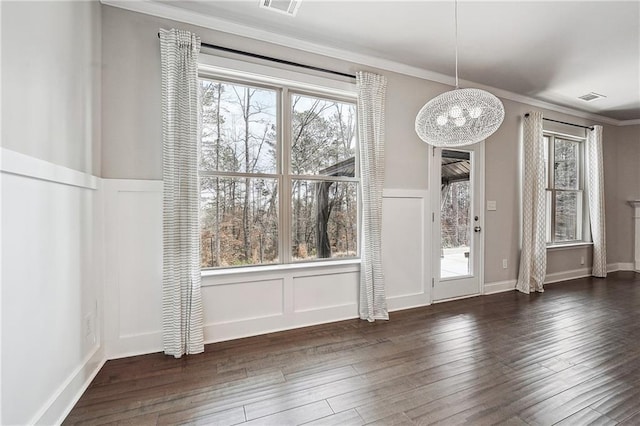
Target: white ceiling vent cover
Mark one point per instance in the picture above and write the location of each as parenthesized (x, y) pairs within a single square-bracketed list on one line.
[(590, 97), (288, 7)]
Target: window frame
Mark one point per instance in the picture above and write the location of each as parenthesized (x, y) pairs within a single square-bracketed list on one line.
[(582, 219), (285, 90)]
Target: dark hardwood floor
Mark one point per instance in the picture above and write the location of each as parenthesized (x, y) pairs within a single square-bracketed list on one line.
[(569, 356)]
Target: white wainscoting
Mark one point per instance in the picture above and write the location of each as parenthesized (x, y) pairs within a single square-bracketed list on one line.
[(278, 298), (133, 273), (406, 253), (51, 287), (252, 301)]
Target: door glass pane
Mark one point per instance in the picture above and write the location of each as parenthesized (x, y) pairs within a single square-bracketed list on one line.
[(455, 214), (566, 216)]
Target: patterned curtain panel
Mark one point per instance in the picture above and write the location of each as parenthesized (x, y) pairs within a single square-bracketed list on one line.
[(371, 103), (181, 299), (595, 196), (533, 257)]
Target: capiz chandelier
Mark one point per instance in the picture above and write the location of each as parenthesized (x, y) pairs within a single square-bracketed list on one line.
[(460, 116)]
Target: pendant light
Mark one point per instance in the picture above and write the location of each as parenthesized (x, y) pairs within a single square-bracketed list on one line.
[(460, 116)]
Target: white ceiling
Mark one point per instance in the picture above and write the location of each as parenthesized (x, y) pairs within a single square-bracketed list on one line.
[(552, 51)]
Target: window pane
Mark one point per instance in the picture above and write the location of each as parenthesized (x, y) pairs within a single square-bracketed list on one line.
[(239, 131), (566, 216), (323, 138), (238, 221), (324, 221), (566, 157)]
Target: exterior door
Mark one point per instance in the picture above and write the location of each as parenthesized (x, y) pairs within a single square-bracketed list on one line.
[(457, 187)]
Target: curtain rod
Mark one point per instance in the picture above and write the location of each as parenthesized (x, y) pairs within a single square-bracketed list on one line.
[(269, 58), (564, 122)]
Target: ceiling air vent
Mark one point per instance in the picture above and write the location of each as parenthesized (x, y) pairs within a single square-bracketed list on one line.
[(288, 7), (590, 97)]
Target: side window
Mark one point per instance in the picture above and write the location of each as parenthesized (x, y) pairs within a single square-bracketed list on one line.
[(565, 189)]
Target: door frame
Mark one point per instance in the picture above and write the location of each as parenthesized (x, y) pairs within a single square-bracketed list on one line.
[(434, 185)]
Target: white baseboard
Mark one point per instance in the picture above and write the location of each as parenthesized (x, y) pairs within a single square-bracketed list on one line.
[(134, 345), (567, 275), (65, 398), (622, 266), (626, 266), (499, 286), (408, 301)]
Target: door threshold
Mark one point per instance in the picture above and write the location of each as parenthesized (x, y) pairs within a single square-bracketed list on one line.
[(451, 299)]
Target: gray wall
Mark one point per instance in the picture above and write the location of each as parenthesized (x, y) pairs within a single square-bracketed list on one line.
[(132, 133), (622, 183), (51, 54), (131, 99)]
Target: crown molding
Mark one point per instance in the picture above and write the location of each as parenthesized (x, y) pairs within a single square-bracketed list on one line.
[(629, 122), (168, 11), (177, 14)]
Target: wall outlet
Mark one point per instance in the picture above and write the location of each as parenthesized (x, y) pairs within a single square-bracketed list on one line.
[(505, 264), (582, 260), (89, 328), (88, 325)]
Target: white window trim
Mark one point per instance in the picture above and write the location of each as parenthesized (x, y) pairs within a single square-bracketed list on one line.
[(569, 246), (584, 226), (227, 69), (224, 275), (221, 67)]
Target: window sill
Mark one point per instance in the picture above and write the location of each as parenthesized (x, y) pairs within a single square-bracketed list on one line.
[(217, 276), (569, 246)]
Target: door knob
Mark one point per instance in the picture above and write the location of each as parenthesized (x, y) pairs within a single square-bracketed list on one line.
[(477, 229)]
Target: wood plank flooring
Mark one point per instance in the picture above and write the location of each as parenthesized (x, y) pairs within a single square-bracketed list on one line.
[(569, 356)]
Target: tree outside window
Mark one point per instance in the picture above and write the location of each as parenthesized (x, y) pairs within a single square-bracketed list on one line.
[(270, 194)]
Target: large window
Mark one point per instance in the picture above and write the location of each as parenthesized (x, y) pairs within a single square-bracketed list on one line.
[(565, 189), (278, 175)]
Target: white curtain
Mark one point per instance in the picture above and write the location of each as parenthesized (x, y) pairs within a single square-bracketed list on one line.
[(371, 104), (533, 257), (595, 196), (181, 298)]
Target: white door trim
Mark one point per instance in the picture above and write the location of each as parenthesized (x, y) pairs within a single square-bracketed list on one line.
[(434, 185)]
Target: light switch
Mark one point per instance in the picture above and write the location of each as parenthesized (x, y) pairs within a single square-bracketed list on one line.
[(491, 205)]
